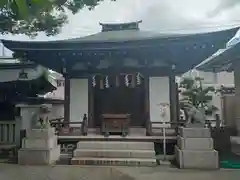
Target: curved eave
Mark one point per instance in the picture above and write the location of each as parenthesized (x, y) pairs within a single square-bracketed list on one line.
[(124, 44), (221, 62), (185, 51), (17, 66), (13, 63)]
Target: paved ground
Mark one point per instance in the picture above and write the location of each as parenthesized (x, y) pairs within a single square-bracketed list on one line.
[(16, 172)]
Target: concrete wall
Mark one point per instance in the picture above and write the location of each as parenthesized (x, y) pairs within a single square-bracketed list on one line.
[(237, 95), (78, 99), (158, 95)]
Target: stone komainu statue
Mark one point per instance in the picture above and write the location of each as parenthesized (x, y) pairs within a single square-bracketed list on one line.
[(194, 116)]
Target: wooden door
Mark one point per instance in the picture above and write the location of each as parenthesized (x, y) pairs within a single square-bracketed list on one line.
[(120, 100)]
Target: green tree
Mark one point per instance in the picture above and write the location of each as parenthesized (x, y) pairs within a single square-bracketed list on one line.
[(32, 16), (194, 93)]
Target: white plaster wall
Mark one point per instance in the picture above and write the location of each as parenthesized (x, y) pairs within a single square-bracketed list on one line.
[(78, 99), (221, 78), (225, 78), (159, 93)]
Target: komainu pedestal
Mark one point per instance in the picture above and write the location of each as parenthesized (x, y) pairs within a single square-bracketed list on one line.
[(194, 149), (39, 147)]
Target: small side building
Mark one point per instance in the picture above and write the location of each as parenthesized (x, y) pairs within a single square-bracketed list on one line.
[(23, 89)]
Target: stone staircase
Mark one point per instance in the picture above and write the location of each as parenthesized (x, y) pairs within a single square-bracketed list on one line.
[(114, 153)]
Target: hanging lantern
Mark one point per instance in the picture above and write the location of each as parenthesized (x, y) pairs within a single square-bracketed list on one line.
[(106, 82), (127, 80), (138, 79), (94, 81)]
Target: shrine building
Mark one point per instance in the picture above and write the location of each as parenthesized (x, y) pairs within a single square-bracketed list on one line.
[(122, 70)]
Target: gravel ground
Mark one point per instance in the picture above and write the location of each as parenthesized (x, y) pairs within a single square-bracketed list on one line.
[(16, 172)]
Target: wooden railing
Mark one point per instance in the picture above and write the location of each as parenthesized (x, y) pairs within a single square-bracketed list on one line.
[(64, 128), (8, 132)]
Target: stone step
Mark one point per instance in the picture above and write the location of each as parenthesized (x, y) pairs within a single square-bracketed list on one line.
[(114, 153), (113, 161), (115, 145)]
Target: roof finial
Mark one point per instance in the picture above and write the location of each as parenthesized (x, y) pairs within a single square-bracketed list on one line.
[(120, 26)]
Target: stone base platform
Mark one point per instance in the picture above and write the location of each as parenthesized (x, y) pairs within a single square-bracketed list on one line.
[(38, 156), (197, 159)]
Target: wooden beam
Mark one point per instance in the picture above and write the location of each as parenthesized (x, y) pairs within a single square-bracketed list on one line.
[(153, 71)]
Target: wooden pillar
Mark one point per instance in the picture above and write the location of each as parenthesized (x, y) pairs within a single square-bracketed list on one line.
[(147, 103), (173, 97), (67, 99), (90, 103)]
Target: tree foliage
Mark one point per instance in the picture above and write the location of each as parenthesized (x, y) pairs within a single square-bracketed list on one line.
[(32, 16), (194, 93)]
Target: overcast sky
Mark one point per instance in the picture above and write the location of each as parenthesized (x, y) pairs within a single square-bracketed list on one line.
[(157, 15)]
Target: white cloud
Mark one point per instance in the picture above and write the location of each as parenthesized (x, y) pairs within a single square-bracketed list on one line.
[(157, 15)]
